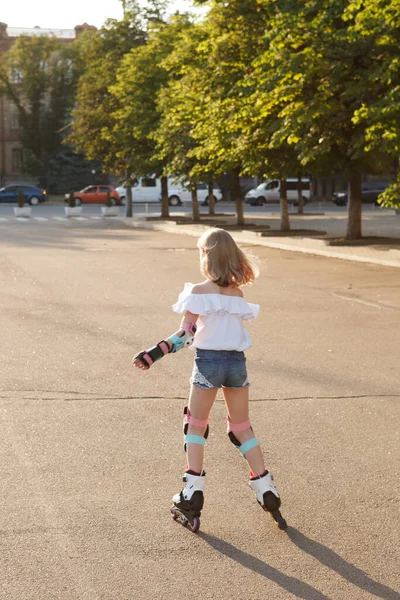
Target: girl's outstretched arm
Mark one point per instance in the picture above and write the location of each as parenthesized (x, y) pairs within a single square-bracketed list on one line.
[(183, 338)]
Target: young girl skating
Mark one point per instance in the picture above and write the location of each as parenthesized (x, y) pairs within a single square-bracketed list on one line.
[(213, 315)]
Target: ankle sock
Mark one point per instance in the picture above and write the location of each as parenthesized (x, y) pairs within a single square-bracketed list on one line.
[(255, 476), (191, 472)]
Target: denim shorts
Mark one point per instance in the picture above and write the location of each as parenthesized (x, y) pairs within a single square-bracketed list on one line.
[(219, 368)]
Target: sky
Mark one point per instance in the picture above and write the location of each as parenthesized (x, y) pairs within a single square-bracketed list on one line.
[(67, 14)]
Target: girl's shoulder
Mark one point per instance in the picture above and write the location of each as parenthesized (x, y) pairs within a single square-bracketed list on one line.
[(209, 287), (207, 297), (206, 287)]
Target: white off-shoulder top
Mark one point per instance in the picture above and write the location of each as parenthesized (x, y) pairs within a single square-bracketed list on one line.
[(220, 323)]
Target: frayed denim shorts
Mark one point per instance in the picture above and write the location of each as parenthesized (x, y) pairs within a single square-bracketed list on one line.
[(219, 368)]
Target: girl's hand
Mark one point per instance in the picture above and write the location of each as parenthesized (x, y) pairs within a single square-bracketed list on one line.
[(136, 362)]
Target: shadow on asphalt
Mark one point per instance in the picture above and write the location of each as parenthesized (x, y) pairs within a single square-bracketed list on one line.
[(295, 586), (333, 561)]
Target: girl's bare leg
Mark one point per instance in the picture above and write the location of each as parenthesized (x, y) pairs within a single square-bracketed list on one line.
[(200, 405), (237, 405)]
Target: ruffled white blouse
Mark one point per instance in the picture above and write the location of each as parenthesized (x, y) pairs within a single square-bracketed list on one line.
[(220, 323)]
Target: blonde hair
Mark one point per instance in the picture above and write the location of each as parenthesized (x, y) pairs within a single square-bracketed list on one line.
[(223, 262)]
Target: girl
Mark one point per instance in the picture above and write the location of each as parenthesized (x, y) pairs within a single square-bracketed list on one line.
[(214, 311)]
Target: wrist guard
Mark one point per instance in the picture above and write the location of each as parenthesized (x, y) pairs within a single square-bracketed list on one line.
[(180, 340)]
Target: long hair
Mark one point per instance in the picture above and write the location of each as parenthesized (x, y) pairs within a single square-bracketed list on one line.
[(223, 262)]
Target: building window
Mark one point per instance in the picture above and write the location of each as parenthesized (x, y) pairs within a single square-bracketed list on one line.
[(13, 118), (16, 159), (15, 75)]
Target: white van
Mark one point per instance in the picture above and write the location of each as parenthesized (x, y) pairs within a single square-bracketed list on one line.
[(270, 192), (148, 189)]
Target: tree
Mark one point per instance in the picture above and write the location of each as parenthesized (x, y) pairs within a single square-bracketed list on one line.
[(178, 105), (322, 68), (38, 76), (379, 114), (102, 52), (139, 78)]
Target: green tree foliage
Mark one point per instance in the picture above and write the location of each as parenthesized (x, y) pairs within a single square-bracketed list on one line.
[(38, 76), (264, 87), (102, 52), (234, 33), (379, 113), (139, 78), (321, 68), (179, 104)]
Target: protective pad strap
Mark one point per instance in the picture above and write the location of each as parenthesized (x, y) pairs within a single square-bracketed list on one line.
[(195, 439), (249, 445), (237, 426), (188, 438), (190, 328), (178, 341), (155, 353), (189, 419)]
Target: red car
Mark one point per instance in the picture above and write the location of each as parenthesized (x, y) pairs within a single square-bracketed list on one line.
[(95, 194)]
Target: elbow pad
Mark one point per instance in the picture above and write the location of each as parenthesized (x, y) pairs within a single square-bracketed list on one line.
[(185, 338)]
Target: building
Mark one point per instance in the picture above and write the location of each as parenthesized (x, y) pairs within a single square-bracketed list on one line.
[(10, 151)]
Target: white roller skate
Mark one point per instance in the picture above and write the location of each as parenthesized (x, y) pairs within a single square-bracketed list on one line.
[(189, 502), (268, 497)]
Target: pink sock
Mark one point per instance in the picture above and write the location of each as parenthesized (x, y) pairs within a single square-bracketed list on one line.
[(255, 476)]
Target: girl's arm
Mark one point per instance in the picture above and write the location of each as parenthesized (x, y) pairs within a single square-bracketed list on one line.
[(183, 338)]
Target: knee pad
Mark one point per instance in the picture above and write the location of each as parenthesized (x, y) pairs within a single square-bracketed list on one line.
[(246, 446), (190, 438)]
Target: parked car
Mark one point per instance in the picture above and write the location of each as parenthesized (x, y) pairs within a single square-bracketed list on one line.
[(370, 190), (95, 194), (32, 195), (148, 189), (269, 192), (217, 194)]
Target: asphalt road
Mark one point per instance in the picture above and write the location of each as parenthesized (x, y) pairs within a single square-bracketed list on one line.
[(91, 450)]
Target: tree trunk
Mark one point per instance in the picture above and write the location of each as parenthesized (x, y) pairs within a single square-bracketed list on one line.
[(285, 223), (211, 201), (128, 200), (355, 207), (164, 198), (238, 196), (300, 202), (195, 203)]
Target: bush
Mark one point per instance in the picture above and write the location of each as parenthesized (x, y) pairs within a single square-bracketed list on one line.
[(21, 199), (71, 200), (109, 202)]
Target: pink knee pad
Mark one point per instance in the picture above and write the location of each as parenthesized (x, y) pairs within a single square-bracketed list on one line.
[(246, 446), (237, 426), (189, 420)]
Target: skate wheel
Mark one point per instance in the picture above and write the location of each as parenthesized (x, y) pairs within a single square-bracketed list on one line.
[(174, 515), (282, 524), (276, 514), (194, 527)]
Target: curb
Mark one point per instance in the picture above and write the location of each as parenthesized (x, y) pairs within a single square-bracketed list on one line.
[(314, 246)]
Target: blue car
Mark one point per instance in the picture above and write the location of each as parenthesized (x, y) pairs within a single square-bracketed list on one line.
[(32, 195)]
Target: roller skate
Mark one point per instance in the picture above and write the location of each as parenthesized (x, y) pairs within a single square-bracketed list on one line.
[(189, 502), (268, 497)]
